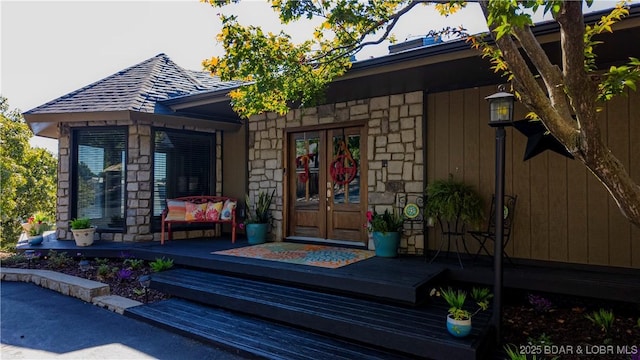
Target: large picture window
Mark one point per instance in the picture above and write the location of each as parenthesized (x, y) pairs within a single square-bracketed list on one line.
[(99, 176), (183, 165)]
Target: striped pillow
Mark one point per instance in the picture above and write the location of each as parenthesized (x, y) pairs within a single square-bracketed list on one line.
[(177, 210)]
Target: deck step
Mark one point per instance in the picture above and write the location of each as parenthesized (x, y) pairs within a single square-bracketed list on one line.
[(418, 331), (250, 336)]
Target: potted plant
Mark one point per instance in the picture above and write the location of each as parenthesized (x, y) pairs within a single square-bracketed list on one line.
[(257, 220), (452, 201), (459, 318), (386, 229), (82, 231), (35, 227)]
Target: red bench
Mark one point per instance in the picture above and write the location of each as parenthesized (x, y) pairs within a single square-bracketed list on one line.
[(172, 213)]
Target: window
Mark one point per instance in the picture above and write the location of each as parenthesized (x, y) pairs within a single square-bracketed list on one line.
[(183, 165), (99, 175)]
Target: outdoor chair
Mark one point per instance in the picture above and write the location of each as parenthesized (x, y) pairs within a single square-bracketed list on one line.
[(490, 233)]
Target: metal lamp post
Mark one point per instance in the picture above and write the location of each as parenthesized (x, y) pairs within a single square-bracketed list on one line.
[(501, 115), (145, 282)]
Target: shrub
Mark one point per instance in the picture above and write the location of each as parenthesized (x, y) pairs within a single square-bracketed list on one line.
[(124, 274), (58, 260), (133, 264), (539, 303), (514, 354), (456, 300), (602, 318), (103, 271), (161, 264), (14, 259), (80, 223)]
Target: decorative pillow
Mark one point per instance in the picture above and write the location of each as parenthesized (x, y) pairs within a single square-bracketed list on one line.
[(176, 210), (228, 207), (195, 211), (213, 211)]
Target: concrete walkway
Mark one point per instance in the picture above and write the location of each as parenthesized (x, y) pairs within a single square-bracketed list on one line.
[(39, 323)]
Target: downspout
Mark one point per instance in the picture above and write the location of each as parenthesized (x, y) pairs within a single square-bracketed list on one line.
[(425, 228), (246, 167)]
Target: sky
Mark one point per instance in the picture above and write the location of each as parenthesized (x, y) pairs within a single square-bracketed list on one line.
[(51, 48)]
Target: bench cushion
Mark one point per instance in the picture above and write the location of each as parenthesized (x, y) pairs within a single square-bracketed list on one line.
[(195, 212), (229, 205), (214, 210), (177, 210)]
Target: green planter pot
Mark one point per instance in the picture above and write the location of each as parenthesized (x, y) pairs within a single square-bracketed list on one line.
[(386, 243), (257, 233)]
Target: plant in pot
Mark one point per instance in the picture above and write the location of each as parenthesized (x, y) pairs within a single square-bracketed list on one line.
[(454, 202), (459, 318), (35, 227), (386, 229), (257, 220), (82, 231)]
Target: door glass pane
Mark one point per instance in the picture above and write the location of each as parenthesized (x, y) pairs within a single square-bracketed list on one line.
[(353, 189), (307, 167), (344, 168)]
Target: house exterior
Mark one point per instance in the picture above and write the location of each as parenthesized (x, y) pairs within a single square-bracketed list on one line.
[(389, 127), (122, 153)]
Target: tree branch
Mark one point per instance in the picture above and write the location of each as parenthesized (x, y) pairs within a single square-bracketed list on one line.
[(537, 99), (551, 74), (358, 43), (581, 90)]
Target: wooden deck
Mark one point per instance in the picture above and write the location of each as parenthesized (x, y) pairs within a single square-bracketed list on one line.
[(397, 276), (377, 308)]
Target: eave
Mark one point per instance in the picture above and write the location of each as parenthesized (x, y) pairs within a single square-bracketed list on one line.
[(47, 124)]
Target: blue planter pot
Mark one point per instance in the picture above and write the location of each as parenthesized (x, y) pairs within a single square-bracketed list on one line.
[(257, 233), (458, 328), (36, 240), (386, 243)]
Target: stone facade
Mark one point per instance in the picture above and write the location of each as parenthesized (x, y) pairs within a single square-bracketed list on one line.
[(394, 155), (139, 181)]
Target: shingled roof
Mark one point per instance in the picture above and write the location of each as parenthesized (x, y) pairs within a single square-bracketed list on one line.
[(137, 88)]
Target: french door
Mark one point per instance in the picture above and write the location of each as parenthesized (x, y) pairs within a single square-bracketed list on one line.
[(327, 190)]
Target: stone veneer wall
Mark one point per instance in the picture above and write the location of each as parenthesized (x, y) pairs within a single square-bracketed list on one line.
[(138, 182), (394, 138)]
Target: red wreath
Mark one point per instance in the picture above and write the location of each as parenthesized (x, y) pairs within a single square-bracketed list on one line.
[(343, 169)]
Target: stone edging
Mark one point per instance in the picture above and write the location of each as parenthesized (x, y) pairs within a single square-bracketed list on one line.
[(91, 291)]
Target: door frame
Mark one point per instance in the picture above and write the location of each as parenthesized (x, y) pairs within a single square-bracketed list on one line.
[(364, 143)]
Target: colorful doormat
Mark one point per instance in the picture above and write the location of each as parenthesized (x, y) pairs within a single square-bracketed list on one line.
[(303, 254)]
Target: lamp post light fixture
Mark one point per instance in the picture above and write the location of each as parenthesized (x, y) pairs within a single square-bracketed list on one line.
[(501, 108), (84, 265), (145, 282), (501, 115), (29, 254)]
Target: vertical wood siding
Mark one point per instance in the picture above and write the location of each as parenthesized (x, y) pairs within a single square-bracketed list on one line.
[(563, 213)]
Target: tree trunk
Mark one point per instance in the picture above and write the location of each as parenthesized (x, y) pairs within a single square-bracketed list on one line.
[(582, 136)]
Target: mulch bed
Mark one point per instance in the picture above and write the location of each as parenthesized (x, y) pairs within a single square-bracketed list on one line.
[(128, 287), (553, 325)]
